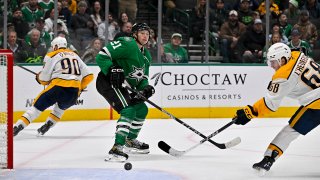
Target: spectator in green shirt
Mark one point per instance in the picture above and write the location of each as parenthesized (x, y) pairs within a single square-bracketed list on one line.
[(297, 44), (178, 53)]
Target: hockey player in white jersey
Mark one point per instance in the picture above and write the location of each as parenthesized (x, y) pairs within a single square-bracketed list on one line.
[(298, 77), (65, 76)]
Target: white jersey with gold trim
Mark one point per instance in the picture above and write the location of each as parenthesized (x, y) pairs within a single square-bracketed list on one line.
[(63, 67), (299, 79)]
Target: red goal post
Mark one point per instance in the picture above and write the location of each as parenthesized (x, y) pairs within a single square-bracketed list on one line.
[(6, 109)]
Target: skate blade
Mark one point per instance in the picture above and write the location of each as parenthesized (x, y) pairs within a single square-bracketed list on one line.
[(261, 172), (113, 158), (135, 151), (39, 134)]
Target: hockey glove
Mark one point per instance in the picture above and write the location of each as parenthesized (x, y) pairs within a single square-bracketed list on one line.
[(148, 91), (244, 115), (116, 76)]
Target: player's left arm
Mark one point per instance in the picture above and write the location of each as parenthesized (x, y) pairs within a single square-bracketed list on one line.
[(277, 90)]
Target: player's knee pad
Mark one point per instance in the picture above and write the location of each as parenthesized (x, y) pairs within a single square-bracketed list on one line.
[(31, 114), (128, 112), (141, 110)]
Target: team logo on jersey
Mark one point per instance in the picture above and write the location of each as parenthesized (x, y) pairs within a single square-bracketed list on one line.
[(138, 74)]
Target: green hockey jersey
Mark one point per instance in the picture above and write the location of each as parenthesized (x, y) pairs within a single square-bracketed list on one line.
[(126, 53)]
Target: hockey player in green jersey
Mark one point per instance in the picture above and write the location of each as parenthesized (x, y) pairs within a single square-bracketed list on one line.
[(126, 61)]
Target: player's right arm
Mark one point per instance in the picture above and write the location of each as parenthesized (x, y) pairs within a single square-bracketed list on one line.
[(109, 54), (44, 77)]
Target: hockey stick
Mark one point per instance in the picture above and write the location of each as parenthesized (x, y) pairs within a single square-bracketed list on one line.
[(219, 145), (26, 69), (173, 152)]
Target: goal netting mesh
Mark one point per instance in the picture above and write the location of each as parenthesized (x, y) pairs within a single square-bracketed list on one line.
[(5, 111)]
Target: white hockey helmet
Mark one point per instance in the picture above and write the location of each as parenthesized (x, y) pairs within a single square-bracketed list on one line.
[(60, 42), (277, 51)]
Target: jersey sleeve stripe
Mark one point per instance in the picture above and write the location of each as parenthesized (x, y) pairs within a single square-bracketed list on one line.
[(104, 51)]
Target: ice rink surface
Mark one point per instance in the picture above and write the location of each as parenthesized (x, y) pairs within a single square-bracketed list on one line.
[(76, 150)]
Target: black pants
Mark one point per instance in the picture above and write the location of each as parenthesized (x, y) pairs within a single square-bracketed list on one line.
[(118, 98)]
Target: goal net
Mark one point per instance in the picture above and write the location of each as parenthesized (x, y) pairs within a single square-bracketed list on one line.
[(6, 109)]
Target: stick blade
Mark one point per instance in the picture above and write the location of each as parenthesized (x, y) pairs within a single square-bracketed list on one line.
[(233, 142), (168, 149), (164, 146)]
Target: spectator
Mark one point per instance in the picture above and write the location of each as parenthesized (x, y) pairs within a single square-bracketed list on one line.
[(285, 27), (229, 34), (169, 7), (69, 45), (245, 13), (282, 4), (113, 29), (97, 15), (125, 30), (82, 26), (65, 12), (11, 6), (297, 44), (253, 4), (45, 37), (313, 6), (48, 27), (123, 18), (15, 46), (219, 16), (152, 45), (274, 9), (46, 5), (10, 27), (73, 6), (129, 7), (276, 28), (197, 23), (33, 51), (306, 28), (90, 54), (251, 43), (293, 11), (21, 27), (31, 12), (179, 54), (275, 38)]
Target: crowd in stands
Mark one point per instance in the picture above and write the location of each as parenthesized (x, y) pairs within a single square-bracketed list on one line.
[(238, 27)]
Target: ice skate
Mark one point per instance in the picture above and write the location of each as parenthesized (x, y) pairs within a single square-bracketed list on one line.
[(136, 147), (116, 154), (44, 128), (263, 166), (17, 129)]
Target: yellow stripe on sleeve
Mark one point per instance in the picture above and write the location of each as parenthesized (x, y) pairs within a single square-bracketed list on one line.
[(86, 80)]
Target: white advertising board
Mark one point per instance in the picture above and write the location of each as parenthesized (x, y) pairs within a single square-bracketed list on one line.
[(176, 86)]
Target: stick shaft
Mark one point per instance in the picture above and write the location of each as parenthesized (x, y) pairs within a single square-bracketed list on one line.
[(176, 119), (26, 69)]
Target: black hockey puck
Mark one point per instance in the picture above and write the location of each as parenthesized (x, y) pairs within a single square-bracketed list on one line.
[(127, 166)]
